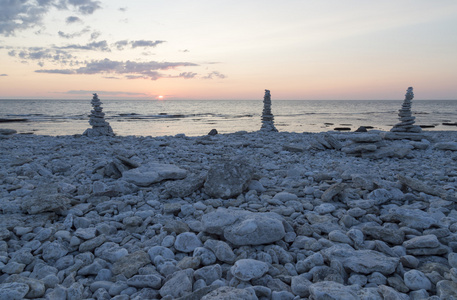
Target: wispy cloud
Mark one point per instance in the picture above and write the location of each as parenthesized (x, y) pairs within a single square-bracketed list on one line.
[(24, 14), (111, 93), (120, 45), (86, 7), (75, 34), (214, 74), (129, 69), (187, 75), (1, 75), (73, 19), (38, 53), (145, 43), (97, 46)]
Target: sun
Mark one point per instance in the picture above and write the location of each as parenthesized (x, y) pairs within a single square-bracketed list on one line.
[(160, 97)]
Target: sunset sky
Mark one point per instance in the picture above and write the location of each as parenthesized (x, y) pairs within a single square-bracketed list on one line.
[(220, 49)]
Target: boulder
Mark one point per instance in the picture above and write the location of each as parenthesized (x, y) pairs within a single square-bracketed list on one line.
[(452, 146), (245, 228), (148, 174), (230, 293), (361, 261), (248, 269), (332, 290), (229, 178)]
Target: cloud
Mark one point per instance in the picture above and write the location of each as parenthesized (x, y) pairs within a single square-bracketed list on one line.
[(86, 7), (1, 75), (73, 19), (123, 9), (187, 75), (120, 45), (39, 53), (101, 46), (95, 35), (75, 34), (144, 43), (57, 71), (130, 69), (214, 74), (111, 93), (18, 15)]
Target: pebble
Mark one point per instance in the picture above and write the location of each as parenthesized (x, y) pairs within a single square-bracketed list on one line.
[(309, 224)]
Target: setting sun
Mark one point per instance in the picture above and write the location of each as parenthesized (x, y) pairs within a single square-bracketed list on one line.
[(160, 97)]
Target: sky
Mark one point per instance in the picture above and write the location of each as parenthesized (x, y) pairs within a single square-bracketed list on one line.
[(223, 50)]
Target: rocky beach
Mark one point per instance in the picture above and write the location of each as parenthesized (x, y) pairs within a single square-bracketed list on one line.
[(259, 215)]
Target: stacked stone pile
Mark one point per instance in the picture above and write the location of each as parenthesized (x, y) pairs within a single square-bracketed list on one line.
[(100, 127), (185, 222), (406, 128), (362, 143), (267, 117)]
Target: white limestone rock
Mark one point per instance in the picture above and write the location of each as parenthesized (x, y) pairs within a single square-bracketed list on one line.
[(227, 179), (150, 173), (416, 280), (13, 290), (244, 228), (452, 146), (187, 242), (332, 290), (179, 285), (361, 261), (231, 293), (248, 269)]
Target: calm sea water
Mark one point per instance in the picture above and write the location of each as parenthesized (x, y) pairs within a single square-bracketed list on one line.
[(194, 118)]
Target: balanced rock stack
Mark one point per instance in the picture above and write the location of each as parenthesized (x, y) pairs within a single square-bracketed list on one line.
[(406, 128), (97, 119), (362, 144), (267, 116)]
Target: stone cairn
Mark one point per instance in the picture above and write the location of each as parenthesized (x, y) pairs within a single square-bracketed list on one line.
[(97, 119), (267, 116), (406, 128)]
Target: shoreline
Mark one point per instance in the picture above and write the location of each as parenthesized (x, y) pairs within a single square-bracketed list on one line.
[(145, 217)]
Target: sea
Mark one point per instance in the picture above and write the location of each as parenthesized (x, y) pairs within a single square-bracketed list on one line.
[(198, 117)]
